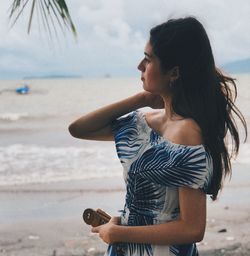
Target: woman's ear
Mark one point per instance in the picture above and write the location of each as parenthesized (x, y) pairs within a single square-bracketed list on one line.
[(175, 73)]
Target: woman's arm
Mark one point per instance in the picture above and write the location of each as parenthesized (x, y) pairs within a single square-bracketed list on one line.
[(96, 125), (189, 228)]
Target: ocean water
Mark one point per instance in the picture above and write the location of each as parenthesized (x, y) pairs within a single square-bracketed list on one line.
[(35, 146)]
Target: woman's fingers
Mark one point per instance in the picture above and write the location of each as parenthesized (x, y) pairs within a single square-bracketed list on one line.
[(95, 229), (116, 220)]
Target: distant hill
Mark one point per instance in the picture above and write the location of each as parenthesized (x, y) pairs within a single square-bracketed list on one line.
[(239, 66), (55, 76)]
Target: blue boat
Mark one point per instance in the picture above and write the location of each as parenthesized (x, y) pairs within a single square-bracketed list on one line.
[(23, 89)]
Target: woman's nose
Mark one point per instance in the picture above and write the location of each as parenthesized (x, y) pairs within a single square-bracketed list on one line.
[(140, 66)]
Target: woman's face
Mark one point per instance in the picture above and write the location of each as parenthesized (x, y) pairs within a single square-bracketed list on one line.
[(154, 80)]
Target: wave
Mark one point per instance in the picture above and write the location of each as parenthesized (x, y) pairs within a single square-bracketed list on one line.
[(25, 164), (15, 117)]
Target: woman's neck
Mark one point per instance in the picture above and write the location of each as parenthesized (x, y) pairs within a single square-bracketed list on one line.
[(169, 112)]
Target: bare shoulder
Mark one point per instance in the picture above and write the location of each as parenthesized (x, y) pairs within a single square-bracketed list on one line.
[(184, 131), (153, 116), (187, 132), (153, 119)]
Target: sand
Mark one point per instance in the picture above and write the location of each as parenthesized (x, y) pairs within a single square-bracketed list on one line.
[(46, 219)]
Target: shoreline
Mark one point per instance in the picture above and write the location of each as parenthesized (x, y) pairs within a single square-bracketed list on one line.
[(103, 184), (46, 219)]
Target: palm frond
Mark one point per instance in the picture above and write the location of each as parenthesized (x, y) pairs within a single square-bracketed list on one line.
[(31, 14), (53, 12)]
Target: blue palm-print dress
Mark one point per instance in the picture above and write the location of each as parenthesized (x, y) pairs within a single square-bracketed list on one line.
[(154, 168)]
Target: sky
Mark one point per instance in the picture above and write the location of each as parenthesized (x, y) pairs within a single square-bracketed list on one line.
[(112, 35)]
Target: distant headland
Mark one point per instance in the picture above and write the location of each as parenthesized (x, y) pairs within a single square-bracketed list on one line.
[(52, 76), (240, 66)]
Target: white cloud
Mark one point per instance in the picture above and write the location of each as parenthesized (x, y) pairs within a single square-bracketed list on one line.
[(112, 34)]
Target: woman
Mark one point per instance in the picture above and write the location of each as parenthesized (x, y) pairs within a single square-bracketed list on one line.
[(173, 156)]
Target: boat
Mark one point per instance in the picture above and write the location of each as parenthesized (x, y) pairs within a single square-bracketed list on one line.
[(23, 89)]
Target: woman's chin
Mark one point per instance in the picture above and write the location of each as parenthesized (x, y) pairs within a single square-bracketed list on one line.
[(145, 87), (149, 90)]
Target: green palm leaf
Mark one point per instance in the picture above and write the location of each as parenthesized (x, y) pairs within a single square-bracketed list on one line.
[(52, 12)]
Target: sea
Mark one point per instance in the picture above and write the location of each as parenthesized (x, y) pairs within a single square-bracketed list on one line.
[(35, 145)]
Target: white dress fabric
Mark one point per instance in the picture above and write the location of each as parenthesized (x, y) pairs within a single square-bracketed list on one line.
[(154, 169)]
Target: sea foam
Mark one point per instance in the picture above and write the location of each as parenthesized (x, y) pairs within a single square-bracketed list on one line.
[(22, 164)]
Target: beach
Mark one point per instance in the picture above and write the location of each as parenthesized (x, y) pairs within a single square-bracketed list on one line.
[(48, 178), (46, 219)]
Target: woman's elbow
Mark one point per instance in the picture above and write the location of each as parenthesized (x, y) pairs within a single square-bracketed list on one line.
[(198, 235), (73, 130)]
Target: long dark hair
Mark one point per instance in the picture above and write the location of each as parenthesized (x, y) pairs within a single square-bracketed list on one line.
[(201, 92)]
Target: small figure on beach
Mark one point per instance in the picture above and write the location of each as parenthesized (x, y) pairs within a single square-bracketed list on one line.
[(174, 155)]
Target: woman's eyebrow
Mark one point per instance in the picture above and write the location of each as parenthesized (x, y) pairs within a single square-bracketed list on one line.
[(147, 54)]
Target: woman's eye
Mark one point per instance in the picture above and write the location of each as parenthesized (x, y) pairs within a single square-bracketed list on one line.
[(146, 60)]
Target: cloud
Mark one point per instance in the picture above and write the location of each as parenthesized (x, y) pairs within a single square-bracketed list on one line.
[(112, 34)]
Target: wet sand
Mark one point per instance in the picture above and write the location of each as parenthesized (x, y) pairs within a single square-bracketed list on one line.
[(47, 219)]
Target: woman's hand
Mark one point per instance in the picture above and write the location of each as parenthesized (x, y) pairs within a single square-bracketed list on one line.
[(106, 231), (154, 101)]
